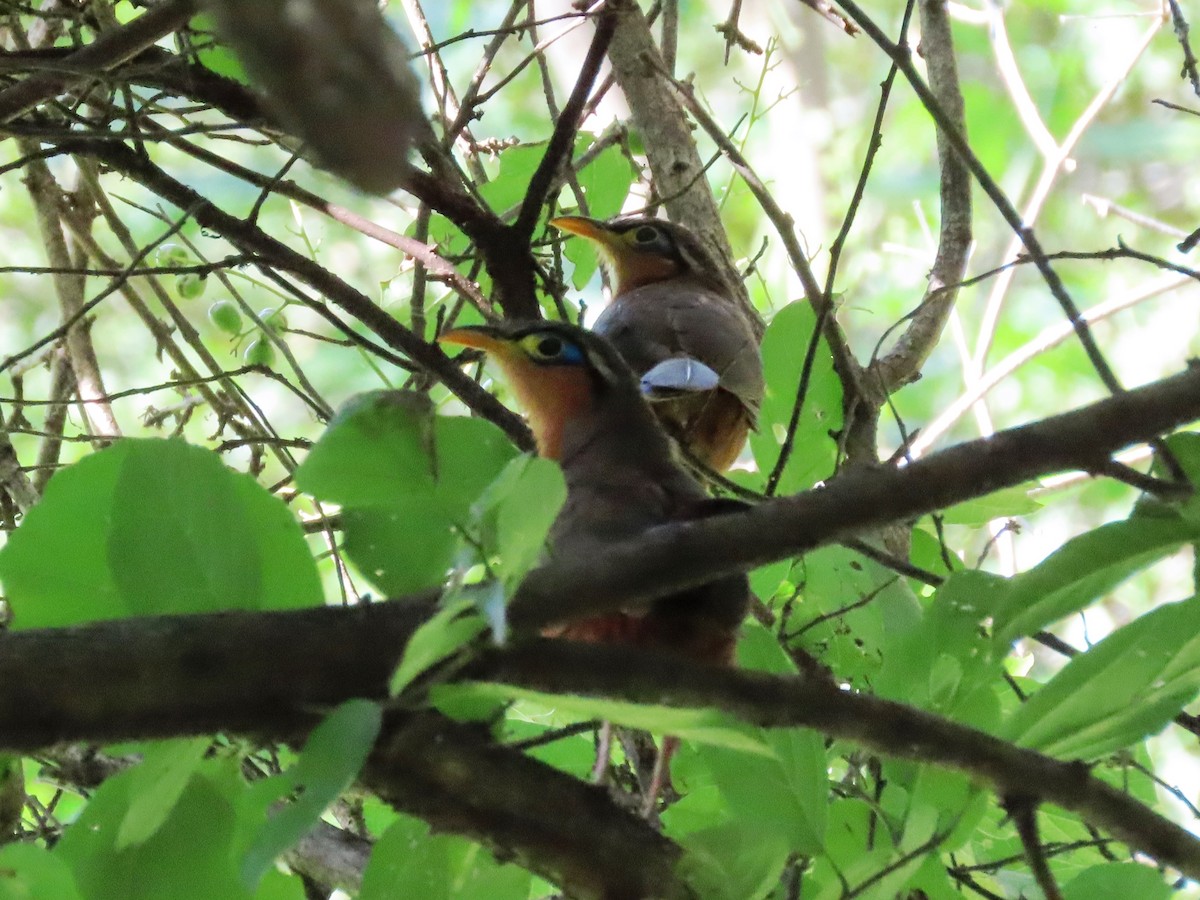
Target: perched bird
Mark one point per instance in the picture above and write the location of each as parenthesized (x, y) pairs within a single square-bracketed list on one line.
[(673, 321), (587, 411)]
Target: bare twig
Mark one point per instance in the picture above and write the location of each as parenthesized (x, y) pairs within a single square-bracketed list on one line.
[(1023, 810)]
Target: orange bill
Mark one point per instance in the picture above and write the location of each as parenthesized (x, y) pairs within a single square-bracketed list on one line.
[(480, 337), (583, 226)]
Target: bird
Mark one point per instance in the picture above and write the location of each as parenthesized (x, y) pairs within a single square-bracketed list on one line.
[(673, 320), (587, 412)]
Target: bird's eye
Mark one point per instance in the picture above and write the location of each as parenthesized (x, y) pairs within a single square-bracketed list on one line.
[(549, 347), (647, 234)]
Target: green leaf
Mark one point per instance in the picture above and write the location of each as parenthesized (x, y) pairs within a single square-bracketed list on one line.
[(330, 761), (190, 855), (401, 547), (31, 872), (605, 181), (55, 565), (517, 165), (852, 610), (434, 640), (813, 451), (406, 480), (516, 512), (149, 527), (727, 862), (1013, 501), (784, 794), (379, 447), (408, 861), (1186, 448), (214, 55), (1118, 881), (1084, 569), (705, 726), (1125, 687), (156, 786), (942, 659), (854, 848), (175, 502)]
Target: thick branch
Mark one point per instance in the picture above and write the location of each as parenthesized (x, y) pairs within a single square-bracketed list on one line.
[(674, 160), (471, 785), (564, 829), (693, 553), (889, 728), (207, 674)]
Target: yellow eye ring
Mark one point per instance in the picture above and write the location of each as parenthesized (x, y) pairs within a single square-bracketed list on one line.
[(547, 347), (646, 234), (544, 347)]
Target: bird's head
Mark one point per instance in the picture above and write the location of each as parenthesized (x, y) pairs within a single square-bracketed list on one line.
[(560, 373), (640, 250)]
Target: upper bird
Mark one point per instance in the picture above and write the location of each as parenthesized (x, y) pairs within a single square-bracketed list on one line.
[(587, 411), (673, 321)]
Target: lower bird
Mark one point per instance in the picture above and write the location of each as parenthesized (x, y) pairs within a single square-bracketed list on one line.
[(587, 412)]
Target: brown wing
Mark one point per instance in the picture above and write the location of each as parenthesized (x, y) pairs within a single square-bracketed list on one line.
[(682, 318)]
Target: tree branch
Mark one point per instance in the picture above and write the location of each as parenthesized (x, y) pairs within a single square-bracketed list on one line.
[(889, 728), (558, 150), (955, 139), (564, 829), (903, 363), (670, 149), (688, 554), (106, 52), (249, 237)]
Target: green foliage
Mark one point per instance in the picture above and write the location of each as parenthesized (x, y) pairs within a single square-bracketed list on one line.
[(217, 57), (745, 813), (1086, 568), (194, 850), (156, 786), (507, 188), (848, 611), (184, 822), (1116, 881), (942, 661), (784, 347), (999, 505), (1127, 686), (147, 527), (330, 761), (94, 548), (405, 480), (445, 632), (30, 872), (410, 862), (707, 726), (514, 513)]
